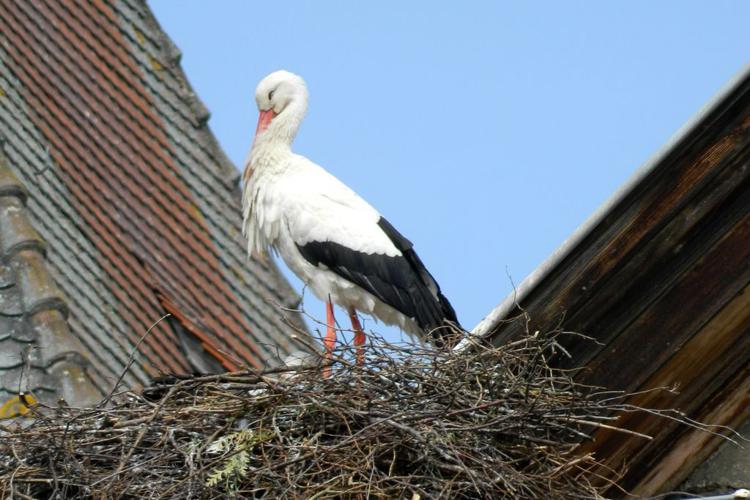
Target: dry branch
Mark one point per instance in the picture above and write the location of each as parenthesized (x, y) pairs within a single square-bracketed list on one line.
[(488, 422)]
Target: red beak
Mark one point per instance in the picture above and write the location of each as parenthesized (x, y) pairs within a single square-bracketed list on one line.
[(264, 120)]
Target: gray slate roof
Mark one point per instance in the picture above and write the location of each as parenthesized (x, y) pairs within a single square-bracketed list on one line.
[(129, 208), (38, 352)]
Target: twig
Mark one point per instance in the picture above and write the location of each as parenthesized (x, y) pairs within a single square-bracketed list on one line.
[(131, 359)]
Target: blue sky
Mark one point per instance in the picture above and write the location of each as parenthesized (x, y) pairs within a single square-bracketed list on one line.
[(484, 131)]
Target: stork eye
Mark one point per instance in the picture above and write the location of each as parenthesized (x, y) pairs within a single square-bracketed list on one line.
[(270, 94)]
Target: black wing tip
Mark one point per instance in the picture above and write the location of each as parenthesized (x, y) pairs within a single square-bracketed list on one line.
[(440, 325), (434, 313), (448, 311)]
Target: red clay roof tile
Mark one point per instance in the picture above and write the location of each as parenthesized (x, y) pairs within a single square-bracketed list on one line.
[(97, 109)]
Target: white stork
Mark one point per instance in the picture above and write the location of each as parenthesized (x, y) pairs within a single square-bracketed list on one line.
[(337, 244)]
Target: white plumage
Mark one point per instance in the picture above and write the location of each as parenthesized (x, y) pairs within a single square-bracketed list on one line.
[(336, 242)]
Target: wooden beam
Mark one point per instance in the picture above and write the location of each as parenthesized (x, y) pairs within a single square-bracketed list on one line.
[(695, 446), (710, 367), (584, 275)]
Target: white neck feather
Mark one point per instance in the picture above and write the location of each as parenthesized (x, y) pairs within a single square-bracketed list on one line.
[(269, 154), (276, 141)]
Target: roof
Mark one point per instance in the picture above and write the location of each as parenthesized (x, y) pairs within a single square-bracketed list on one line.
[(37, 349), (131, 208), (659, 276)]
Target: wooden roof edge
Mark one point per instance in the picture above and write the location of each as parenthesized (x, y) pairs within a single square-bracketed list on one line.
[(738, 86)]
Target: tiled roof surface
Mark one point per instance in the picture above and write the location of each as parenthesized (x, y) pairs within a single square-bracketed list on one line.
[(128, 189), (38, 353)]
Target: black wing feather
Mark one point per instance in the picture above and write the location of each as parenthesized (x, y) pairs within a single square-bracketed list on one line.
[(402, 282), (407, 249)]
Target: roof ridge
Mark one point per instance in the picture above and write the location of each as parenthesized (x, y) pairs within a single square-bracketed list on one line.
[(46, 356), (198, 113), (195, 103)]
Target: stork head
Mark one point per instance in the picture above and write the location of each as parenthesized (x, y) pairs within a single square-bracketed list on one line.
[(282, 102)]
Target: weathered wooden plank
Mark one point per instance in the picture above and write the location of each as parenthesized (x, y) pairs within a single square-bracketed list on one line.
[(675, 253), (661, 282), (659, 331), (582, 275), (695, 446), (659, 263), (707, 368)]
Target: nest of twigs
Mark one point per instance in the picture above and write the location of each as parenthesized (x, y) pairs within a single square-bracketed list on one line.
[(412, 422)]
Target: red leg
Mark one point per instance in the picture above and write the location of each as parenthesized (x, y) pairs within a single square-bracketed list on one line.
[(359, 336), (330, 341)]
